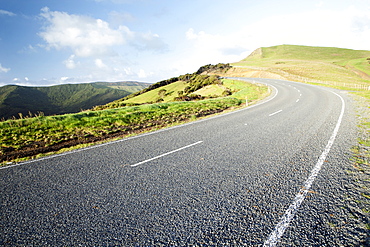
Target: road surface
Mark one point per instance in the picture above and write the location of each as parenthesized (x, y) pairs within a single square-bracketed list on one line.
[(270, 174)]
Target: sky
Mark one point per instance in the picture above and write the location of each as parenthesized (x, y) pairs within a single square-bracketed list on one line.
[(52, 42)]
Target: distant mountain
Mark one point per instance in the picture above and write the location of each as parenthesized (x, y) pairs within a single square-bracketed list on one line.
[(67, 98)]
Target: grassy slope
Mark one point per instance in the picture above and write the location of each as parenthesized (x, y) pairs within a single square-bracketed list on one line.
[(239, 90), (153, 95), (211, 90), (335, 67)]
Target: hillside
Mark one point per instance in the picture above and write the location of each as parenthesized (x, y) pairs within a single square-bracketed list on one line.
[(21, 101), (336, 67), (202, 84)]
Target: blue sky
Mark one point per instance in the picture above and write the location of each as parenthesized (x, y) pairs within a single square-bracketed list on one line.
[(50, 42)]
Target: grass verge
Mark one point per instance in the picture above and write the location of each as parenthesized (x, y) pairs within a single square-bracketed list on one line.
[(28, 138), (361, 165)]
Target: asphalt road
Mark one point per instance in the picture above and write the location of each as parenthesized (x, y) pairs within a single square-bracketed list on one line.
[(224, 181)]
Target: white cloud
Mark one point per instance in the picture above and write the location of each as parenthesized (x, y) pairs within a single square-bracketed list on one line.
[(214, 48), (360, 21), (89, 37), (3, 70), (121, 17), (127, 71), (319, 4), (84, 35), (148, 41), (28, 50), (143, 74), (99, 63), (5, 12), (70, 62), (190, 34)]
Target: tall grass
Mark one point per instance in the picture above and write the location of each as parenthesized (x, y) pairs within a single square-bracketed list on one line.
[(242, 90)]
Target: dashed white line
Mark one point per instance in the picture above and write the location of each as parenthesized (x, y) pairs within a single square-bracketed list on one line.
[(144, 134), (293, 208), (297, 100), (272, 114), (159, 156)]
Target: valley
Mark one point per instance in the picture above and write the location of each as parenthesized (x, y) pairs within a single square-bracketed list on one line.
[(20, 101)]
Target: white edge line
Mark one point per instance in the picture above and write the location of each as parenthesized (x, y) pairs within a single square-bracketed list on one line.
[(159, 156), (293, 208), (148, 133), (272, 114)]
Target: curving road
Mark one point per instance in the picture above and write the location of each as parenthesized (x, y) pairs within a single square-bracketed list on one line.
[(232, 180)]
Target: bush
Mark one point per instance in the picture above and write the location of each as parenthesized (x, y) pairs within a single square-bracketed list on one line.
[(209, 68), (227, 92)]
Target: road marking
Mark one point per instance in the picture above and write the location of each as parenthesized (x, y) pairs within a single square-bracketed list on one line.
[(272, 114), (297, 100), (293, 208), (148, 133), (159, 156)]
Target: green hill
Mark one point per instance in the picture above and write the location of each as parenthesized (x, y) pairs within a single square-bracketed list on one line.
[(202, 84), (21, 101), (337, 67)]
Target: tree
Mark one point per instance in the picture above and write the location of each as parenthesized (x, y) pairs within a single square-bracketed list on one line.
[(162, 92)]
